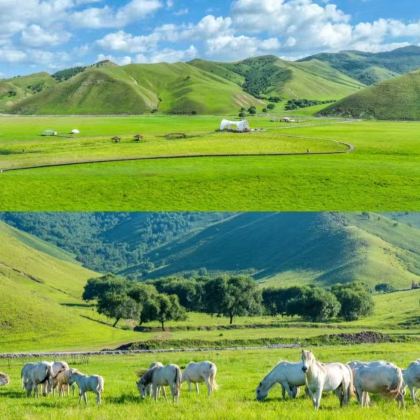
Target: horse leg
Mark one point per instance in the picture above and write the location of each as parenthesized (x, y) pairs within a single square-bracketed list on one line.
[(209, 388), (412, 393), (85, 397), (155, 392), (283, 391), (197, 390), (98, 398), (318, 396), (189, 386), (286, 387)]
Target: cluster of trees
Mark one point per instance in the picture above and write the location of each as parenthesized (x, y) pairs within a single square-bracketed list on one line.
[(269, 107), (231, 296), (66, 74), (252, 110), (119, 299), (304, 103), (348, 301)]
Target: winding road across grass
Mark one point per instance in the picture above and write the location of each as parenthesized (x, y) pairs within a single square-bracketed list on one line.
[(349, 148)]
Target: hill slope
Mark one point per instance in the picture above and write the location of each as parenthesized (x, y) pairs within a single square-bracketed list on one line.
[(139, 88), (371, 68), (269, 75), (396, 99), (18, 88), (279, 247), (40, 299)]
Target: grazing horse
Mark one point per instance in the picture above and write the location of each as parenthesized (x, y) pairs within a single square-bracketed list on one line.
[(201, 372), (378, 378), (34, 374), (321, 377), (160, 376), (149, 388), (412, 378), (85, 383), (289, 375)]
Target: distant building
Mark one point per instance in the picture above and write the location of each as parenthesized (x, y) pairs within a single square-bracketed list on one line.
[(239, 126)]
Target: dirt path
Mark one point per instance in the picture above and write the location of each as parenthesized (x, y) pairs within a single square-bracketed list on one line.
[(349, 149)]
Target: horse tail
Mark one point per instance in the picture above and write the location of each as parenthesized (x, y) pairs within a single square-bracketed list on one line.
[(178, 378), (397, 387), (351, 389), (212, 377)]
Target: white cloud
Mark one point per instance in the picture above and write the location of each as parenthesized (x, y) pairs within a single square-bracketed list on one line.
[(108, 17), (168, 55), (122, 61), (35, 36), (123, 42)]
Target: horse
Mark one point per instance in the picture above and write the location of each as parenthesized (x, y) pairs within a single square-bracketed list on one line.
[(412, 378), (201, 372), (34, 374), (149, 388), (85, 383), (321, 377), (289, 375), (378, 378), (160, 376)]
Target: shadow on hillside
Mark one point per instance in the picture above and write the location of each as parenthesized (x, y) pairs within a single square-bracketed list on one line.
[(77, 305), (96, 320), (13, 394)]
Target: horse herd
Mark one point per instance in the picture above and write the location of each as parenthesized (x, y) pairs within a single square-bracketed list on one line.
[(354, 378)]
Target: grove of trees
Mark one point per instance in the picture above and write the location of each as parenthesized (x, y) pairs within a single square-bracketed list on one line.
[(169, 299)]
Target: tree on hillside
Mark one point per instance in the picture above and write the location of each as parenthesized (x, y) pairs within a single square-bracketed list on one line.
[(252, 110), (233, 296), (275, 300), (118, 306), (145, 296), (168, 309), (384, 288), (271, 106), (97, 287), (355, 299), (315, 304), (188, 291)]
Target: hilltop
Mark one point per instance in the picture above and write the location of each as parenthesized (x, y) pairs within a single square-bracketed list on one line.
[(396, 99), (281, 248), (371, 68)]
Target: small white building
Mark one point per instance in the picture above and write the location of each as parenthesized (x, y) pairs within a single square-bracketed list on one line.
[(239, 126), (75, 131)]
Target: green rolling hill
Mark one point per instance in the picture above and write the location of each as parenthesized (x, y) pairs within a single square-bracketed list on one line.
[(278, 248), (14, 90), (40, 299), (197, 87), (296, 248), (139, 88), (395, 99), (372, 68), (271, 76)]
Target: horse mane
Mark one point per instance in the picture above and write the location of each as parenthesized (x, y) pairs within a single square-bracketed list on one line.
[(147, 378)]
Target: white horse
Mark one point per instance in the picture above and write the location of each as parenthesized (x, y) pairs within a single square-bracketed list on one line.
[(160, 376), (289, 375), (321, 377), (201, 372), (149, 388), (412, 378), (85, 383), (378, 378), (34, 374)]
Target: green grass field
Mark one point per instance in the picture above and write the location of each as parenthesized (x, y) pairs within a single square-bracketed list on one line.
[(385, 164), (238, 375)]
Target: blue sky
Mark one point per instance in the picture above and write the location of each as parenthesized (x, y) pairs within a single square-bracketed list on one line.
[(54, 34)]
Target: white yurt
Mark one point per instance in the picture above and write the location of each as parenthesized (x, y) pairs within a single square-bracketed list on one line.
[(240, 126), (75, 131)]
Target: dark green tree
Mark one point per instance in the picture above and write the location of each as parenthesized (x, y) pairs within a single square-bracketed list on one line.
[(168, 309), (97, 287), (355, 299), (118, 306), (315, 304)]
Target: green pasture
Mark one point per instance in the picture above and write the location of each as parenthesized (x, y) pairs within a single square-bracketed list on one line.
[(383, 173), (239, 373)]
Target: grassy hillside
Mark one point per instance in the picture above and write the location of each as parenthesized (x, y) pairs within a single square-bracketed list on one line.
[(372, 68), (270, 76), (296, 248), (18, 88), (396, 99), (40, 300), (136, 89)]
